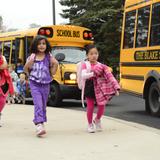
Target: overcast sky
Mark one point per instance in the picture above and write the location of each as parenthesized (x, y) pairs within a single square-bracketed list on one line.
[(20, 13)]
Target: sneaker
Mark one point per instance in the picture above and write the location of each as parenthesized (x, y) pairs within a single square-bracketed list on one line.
[(13, 101), (19, 101), (40, 130), (98, 125), (91, 128), (23, 101), (8, 102)]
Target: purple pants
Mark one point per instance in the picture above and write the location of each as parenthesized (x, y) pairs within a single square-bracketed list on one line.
[(40, 94)]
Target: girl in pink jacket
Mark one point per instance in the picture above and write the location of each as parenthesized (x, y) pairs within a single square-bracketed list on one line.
[(99, 87)]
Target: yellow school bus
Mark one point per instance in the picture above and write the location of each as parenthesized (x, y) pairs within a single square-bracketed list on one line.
[(67, 46), (140, 52)]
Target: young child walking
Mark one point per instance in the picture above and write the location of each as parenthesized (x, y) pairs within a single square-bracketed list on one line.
[(21, 88), (14, 76), (40, 67), (98, 86), (6, 85)]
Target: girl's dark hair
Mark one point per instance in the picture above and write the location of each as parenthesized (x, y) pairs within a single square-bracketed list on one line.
[(89, 47), (34, 45)]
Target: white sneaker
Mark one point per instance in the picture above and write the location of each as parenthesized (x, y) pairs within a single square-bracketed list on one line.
[(19, 101), (13, 101), (91, 128), (8, 102), (23, 101), (40, 130), (98, 125)]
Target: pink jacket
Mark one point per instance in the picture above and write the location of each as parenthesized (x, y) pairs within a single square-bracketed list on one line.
[(105, 85)]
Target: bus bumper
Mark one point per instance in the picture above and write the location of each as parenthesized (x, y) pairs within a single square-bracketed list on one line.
[(70, 92)]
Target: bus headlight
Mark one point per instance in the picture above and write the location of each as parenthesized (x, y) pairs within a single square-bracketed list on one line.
[(70, 76), (73, 76)]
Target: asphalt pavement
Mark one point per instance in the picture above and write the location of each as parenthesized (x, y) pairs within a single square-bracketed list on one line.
[(67, 139)]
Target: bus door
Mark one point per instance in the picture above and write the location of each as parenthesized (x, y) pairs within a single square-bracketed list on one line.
[(7, 50), (22, 45), (10, 51), (15, 50), (18, 50)]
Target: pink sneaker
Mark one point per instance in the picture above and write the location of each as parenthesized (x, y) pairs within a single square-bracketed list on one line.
[(40, 130)]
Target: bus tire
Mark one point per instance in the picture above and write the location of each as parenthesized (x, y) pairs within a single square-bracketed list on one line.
[(55, 98), (154, 99), (147, 107)]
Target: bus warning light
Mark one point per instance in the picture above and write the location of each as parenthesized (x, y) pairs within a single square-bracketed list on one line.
[(46, 31), (87, 35)]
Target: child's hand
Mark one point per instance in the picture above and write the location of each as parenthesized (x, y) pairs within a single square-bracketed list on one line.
[(98, 70), (117, 93)]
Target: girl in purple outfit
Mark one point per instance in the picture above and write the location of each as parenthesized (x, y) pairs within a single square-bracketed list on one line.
[(40, 66)]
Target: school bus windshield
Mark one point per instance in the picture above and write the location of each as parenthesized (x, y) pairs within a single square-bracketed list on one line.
[(72, 54)]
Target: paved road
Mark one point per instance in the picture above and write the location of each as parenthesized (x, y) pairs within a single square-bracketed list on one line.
[(125, 107), (67, 139)]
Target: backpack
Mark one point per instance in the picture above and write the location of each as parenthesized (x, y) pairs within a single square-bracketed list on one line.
[(79, 72)]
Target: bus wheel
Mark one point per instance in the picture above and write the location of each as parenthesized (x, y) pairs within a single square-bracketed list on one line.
[(154, 99), (147, 106), (54, 95)]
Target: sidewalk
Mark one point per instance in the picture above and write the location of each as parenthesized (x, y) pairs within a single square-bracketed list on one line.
[(67, 138)]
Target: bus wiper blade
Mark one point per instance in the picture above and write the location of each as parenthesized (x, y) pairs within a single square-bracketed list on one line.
[(69, 62)]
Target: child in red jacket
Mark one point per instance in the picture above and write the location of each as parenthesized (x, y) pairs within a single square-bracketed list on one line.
[(5, 82)]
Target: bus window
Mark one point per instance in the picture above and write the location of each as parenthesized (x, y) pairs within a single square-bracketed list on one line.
[(129, 29), (6, 53), (155, 25), (13, 56), (28, 41), (0, 47), (17, 46), (142, 27)]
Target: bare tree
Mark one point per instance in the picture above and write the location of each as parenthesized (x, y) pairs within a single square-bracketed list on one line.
[(2, 27), (12, 29), (34, 25)]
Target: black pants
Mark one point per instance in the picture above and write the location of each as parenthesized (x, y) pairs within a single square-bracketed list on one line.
[(89, 89), (5, 88)]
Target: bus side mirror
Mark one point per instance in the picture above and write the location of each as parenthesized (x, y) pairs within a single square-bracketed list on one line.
[(59, 57)]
